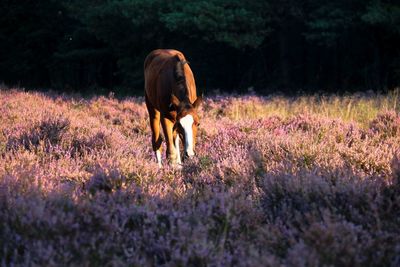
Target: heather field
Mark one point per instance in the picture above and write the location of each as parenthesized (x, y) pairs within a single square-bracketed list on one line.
[(302, 181)]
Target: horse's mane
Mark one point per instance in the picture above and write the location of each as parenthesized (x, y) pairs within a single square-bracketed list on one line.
[(180, 78)]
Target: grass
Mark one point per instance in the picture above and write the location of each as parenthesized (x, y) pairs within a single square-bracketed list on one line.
[(305, 181), (359, 108)]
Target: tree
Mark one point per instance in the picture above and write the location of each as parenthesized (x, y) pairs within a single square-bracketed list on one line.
[(29, 34), (132, 28), (232, 44), (236, 23)]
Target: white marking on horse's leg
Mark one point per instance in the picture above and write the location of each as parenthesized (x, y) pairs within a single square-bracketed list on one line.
[(178, 152), (187, 123), (158, 158)]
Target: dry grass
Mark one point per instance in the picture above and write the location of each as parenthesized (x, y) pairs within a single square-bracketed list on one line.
[(359, 108)]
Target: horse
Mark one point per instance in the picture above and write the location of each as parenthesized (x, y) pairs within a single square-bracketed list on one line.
[(171, 98)]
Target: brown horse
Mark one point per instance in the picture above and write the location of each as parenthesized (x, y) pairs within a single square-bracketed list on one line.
[(170, 93)]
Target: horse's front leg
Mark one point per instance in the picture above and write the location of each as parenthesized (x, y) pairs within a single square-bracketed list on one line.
[(177, 147), (168, 134), (156, 140)]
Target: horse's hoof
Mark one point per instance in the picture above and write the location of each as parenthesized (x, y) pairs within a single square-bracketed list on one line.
[(177, 166), (174, 164)]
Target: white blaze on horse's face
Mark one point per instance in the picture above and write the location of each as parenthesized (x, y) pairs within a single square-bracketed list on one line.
[(187, 125)]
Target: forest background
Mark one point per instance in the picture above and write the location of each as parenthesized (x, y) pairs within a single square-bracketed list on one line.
[(268, 46)]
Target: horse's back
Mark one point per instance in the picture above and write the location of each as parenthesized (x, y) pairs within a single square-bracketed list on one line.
[(159, 68), (162, 55)]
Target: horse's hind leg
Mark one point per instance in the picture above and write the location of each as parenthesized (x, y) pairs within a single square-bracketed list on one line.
[(156, 139)]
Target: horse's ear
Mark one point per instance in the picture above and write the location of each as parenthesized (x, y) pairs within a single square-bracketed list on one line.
[(198, 101), (174, 101)]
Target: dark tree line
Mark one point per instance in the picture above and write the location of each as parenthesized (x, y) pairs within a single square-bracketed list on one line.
[(337, 45)]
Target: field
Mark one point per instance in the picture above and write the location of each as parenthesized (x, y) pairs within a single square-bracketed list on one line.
[(302, 181)]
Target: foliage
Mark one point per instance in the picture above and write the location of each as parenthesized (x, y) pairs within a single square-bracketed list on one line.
[(236, 23), (231, 44), (385, 14)]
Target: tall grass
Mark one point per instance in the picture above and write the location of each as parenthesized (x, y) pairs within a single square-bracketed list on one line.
[(359, 108), (306, 181)]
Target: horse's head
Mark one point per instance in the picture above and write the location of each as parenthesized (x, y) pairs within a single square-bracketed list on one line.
[(187, 122)]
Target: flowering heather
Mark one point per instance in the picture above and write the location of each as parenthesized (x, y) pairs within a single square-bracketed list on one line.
[(309, 181)]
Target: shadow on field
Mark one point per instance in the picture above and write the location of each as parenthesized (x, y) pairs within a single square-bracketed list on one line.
[(331, 218)]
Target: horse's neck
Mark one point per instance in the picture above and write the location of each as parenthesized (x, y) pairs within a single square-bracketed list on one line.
[(181, 92)]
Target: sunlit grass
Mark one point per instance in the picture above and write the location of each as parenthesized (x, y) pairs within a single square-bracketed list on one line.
[(359, 108)]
